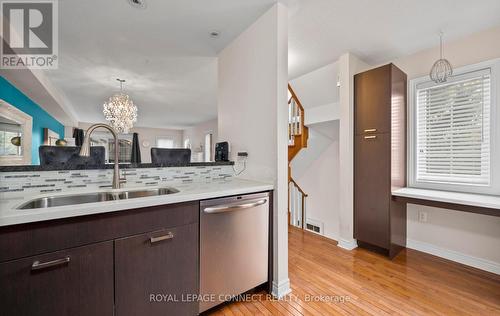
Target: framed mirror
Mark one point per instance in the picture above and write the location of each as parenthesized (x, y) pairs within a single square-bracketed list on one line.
[(15, 135), (50, 137)]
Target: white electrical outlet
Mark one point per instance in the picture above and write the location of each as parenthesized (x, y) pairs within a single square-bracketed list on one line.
[(422, 216)]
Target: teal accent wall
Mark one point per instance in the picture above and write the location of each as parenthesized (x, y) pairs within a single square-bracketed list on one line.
[(41, 118)]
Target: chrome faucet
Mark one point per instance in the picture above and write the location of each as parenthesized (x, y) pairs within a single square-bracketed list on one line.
[(85, 150)]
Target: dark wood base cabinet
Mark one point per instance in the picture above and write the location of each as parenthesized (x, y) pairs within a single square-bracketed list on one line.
[(154, 275), (136, 262), (379, 158), (49, 284)]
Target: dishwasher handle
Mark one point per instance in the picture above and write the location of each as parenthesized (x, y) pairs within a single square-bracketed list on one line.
[(232, 207)]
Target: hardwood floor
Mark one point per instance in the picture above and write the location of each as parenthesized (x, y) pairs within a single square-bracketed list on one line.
[(359, 282)]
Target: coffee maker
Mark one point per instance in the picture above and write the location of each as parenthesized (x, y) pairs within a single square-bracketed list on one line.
[(222, 151)]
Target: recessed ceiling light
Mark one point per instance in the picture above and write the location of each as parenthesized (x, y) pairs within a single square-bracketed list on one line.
[(139, 4), (214, 34)]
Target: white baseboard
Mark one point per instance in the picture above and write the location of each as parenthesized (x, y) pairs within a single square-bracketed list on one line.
[(281, 289), (347, 244), (456, 256)]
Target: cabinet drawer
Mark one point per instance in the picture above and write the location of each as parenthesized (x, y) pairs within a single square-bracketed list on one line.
[(72, 282), (372, 194), (372, 101), (154, 272), (26, 240)]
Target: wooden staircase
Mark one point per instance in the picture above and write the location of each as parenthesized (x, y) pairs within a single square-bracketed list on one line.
[(297, 132), (298, 135)]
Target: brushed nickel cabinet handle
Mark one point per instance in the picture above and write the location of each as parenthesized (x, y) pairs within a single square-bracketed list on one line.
[(153, 240), (370, 137), (37, 265), (370, 130)]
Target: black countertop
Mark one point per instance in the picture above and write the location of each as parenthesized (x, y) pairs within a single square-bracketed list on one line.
[(110, 166)]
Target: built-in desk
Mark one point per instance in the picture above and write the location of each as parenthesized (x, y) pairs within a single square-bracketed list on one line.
[(466, 202)]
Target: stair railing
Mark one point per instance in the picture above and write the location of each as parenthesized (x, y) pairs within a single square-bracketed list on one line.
[(296, 196), (297, 204), (295, 117)]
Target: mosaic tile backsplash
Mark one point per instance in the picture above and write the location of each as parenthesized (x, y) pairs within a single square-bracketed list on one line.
[(25, 183)]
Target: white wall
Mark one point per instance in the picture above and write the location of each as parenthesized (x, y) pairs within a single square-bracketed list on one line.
[(196, 136), (323, 113), (247, 97), (316, 170), (318, 141), (318, 87), (149, 135), (349, 65), (319, 94), (253, 113), (324, 101), (321, 182), (468, 50), (470, 238)]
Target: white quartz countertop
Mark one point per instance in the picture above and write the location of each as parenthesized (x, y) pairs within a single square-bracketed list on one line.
[(9, 215), (479, 200)]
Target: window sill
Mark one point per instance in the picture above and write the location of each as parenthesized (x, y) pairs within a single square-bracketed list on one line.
[(466, 202)]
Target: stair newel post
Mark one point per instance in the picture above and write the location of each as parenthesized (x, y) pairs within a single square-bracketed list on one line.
[(303, 208)]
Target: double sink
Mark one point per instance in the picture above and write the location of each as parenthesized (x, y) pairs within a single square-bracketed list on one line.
[(62, 200)]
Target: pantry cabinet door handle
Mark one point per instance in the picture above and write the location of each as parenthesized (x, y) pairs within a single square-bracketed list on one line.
[(37, 265), (153, 240), (370, 130), (370, 137)]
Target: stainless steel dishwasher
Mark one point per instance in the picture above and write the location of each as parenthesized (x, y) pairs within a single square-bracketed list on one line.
[(234, 243)]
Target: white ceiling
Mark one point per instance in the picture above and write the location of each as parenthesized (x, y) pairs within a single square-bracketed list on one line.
[(164, 52), (169, 60), (320, 31)]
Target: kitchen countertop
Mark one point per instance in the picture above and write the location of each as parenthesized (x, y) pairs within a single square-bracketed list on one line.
[(9, 215), (477, 200)]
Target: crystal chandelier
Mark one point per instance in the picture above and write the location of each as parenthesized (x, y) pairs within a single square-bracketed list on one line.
[(120, 111), (441, 69)]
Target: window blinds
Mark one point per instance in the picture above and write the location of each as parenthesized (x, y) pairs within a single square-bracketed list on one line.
[(453, 130)]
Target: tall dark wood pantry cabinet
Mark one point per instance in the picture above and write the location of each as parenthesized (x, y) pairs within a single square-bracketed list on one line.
[(380, 158)]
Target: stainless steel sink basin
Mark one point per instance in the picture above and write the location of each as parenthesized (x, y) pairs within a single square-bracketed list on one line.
[(52, 201)]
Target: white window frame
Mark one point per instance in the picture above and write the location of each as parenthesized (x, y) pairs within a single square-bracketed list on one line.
[(26, 121), (172, 138), (494, 187)]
